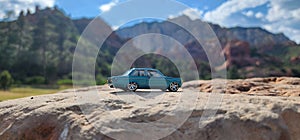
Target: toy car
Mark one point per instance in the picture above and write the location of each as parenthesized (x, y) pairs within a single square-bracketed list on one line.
[(144, 78)]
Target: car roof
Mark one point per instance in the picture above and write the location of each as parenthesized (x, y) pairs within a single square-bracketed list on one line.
[(143, 69)]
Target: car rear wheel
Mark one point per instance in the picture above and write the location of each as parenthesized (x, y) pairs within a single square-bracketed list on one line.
[(173, 87), (132, 86)]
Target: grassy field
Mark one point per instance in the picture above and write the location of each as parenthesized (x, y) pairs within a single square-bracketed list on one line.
[(20, 92)]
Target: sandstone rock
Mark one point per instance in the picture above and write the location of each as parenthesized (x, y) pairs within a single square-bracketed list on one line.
[(103, 113), (295, 59), (272, 86), (238, 54)]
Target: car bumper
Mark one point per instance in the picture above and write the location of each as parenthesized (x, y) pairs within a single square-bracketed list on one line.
[(109, 83)]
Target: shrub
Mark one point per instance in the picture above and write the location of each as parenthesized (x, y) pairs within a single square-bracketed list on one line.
[(36, 80), (65, 82), (5, 80), (100, 80)]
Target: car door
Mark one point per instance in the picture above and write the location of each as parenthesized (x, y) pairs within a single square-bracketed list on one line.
[(139, 77), (143, 79), (156, 80)]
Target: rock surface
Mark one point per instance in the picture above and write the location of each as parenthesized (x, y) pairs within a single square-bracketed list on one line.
[(237, 54), (295, 60), (271, 86), (103, 113)]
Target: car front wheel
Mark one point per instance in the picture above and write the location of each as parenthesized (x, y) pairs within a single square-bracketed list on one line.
[(132, 87), (173, 87)]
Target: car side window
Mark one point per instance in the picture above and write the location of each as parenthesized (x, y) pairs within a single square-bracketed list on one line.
[(138, 73), (142, 73), (152, 73)]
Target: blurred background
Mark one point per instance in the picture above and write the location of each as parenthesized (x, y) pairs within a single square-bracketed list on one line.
[(38, 39)]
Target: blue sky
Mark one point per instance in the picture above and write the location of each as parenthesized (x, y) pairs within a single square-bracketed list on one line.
[(274, 15)]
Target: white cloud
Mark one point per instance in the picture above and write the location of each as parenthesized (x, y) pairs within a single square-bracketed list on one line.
[(259, 15), (284, 16), (223, 12), (248, 13), (192, 13), (108, 6), (281, 16), (283, 9), (18, 5)]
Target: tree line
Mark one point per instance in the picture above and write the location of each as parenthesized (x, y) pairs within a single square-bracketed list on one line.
[(38, 48)]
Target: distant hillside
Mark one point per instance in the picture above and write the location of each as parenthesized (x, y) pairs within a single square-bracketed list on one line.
[(259, 52), (257, 37), (38, 48)]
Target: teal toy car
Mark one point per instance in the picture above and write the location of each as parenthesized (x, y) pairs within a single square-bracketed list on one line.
[(144, 78)]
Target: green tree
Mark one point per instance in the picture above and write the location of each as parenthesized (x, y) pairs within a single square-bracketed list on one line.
[(5, 80), (21, 27), (7, 41), (45, 48), (41, 41)]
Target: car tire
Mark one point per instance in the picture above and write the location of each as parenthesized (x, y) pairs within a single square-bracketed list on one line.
[(132, 86), (173, 87)]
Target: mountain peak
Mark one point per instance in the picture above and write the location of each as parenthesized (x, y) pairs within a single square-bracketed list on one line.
[(182, 18)]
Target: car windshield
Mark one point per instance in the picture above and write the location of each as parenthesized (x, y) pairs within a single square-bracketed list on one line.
[(127, 73)]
